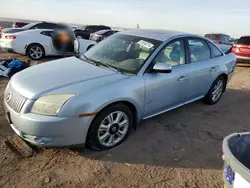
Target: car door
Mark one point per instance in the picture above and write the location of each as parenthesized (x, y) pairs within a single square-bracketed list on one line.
[(46, 38), (167, 90), (201, 67)]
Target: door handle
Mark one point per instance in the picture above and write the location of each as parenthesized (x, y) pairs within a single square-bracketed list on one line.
[(182, 78), (213, 68)]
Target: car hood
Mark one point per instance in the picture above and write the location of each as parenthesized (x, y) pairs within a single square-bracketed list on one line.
[(56, 75), (12, 30)]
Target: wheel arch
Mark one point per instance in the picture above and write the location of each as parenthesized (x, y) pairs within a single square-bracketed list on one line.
[(33, 43), (225, 76), (127, 103)]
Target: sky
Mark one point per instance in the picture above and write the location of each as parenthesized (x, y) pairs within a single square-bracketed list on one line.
[(194, 16)]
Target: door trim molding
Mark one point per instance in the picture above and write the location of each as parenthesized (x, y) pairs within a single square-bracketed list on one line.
[(174, 107)]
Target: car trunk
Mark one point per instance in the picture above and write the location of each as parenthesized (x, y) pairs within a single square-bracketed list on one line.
[(12, 30), (242, 47)]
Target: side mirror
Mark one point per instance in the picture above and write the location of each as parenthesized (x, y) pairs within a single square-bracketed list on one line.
[(162, 68)]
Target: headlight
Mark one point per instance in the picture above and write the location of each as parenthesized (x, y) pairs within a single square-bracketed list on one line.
[(50, 105)]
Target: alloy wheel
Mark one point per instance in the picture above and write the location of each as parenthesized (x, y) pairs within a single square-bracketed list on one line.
[(217, 91), (36, 52), (113, 128)]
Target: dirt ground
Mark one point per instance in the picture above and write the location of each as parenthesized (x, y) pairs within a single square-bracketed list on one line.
[(181, 148)]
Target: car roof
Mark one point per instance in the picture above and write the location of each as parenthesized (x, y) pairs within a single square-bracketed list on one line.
[(32, 31), (160, 35)]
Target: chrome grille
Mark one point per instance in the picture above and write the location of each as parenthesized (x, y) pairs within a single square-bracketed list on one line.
[(14, 100)]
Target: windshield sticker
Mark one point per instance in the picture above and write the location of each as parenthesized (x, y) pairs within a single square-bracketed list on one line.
[(145, 44)]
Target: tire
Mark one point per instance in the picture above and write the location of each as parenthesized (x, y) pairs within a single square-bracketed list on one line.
[(100, 138), (210, 98), (35, 51)]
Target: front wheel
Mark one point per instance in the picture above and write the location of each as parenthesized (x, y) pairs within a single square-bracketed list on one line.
[(110, 127), (216, 91)]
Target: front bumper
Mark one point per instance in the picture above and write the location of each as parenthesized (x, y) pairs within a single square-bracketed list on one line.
[(47, 131), (243, 59)]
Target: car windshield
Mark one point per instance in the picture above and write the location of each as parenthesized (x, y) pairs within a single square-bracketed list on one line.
[(125, 53), (28, 26)]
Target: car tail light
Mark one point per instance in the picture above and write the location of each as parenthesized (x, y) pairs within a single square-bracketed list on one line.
[(10, 37), (235, 48)]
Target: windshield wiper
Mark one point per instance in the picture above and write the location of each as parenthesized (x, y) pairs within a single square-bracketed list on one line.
[(108, 66), (84, 57), (98, 63)]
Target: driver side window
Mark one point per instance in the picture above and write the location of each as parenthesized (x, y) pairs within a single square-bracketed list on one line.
[(172, 54)]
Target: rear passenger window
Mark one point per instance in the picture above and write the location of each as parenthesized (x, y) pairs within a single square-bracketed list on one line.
[(47, 33), (225, 39), (215, 51), (45, 26), (199, 50)]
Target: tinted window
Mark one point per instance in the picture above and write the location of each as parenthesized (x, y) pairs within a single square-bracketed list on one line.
[(222, 39), (199, 50), (225, 39), (95, 28), (47, 33), (98, 28), (105, 27), (244, 40), (212, 37), (215, 51), (44, 26), (89, 28), (173, 54)]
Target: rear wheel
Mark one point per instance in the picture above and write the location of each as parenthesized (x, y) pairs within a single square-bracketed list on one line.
[(110, 127), (35, 51), (216, 91)]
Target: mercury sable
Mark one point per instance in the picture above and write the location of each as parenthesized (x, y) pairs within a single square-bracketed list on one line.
[(97, 98)]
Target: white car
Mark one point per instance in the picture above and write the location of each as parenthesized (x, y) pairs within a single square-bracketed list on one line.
[(37, 43)]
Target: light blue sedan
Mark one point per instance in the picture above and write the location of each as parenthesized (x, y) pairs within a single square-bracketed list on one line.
[(97, 98)]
